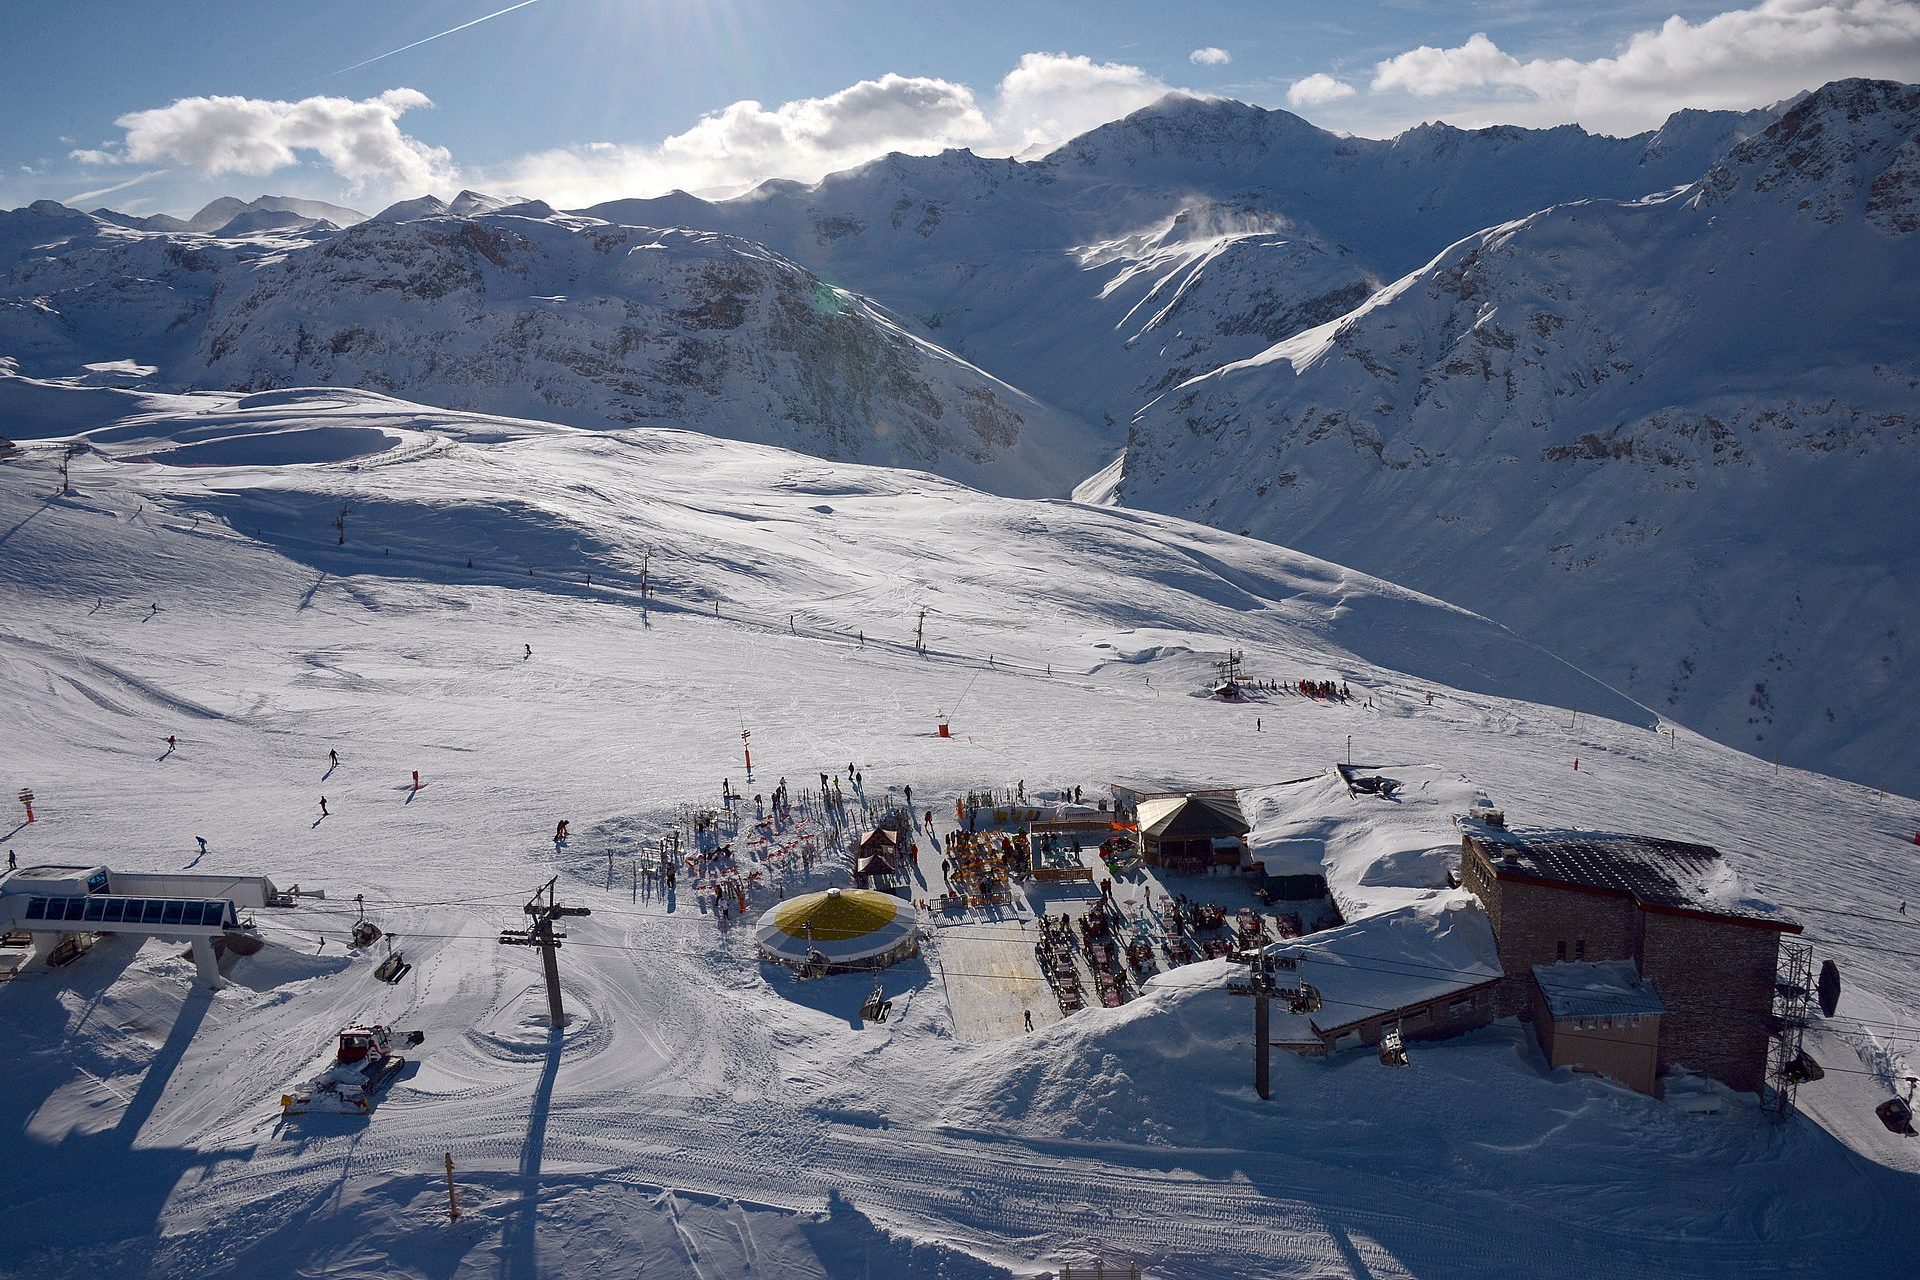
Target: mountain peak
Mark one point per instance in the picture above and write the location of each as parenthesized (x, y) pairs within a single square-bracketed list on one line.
[(426, 206), (1850, 148), (1182, 130)]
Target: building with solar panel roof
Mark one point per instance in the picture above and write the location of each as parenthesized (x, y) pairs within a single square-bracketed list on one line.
[(56, 904), (1671, 909)]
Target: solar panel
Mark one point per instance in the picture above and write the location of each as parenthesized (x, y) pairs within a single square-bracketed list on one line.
[(105, 909)]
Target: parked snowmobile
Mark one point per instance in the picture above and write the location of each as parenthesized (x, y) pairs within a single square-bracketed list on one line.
[(364, 1065)]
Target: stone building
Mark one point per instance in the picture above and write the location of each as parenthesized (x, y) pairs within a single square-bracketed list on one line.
[(1661, 905)]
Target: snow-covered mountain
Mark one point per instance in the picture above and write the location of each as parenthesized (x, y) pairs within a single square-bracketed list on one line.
[(1060, 273), (1672, 439), (542, 314), (1001, 321), (221, 212), (482, 623), (598, 325)]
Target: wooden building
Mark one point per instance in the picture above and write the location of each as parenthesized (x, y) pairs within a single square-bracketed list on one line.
[(1656, 904), (1193, 832)]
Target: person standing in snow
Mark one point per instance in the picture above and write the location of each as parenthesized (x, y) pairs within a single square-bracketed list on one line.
[(12, 864), (171, 744), (529, 652), (203, 845), (323, 806), (333, 758), (1028, 1015)]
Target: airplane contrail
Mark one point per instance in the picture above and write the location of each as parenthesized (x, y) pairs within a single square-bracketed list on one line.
[(430, 39)]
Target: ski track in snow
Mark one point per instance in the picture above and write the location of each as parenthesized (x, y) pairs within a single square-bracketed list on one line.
[(696, 1113)]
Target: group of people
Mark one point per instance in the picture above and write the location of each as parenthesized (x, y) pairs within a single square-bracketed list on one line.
[(1324, 689)]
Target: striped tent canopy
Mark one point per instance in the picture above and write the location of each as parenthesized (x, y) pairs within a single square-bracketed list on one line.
[(850, 928)]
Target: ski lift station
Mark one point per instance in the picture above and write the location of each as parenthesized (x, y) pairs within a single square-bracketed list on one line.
[(54, 905)]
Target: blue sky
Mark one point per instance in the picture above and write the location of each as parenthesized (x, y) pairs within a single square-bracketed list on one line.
[(579, 100)]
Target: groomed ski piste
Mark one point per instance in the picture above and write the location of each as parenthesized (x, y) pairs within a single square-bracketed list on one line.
[(702, 1114)]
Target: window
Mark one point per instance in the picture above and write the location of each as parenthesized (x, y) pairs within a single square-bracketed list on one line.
[(1560, 950), (1580, 949)]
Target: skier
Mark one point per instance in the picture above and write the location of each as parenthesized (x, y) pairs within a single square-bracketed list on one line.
[(12, 864), (909, 797), (529, 652), (203, 845), (1028, 1015), (416, 779), (1429, 699), (333, 758), (560, 831), (170, 742), (323, 806), (1256, 724)]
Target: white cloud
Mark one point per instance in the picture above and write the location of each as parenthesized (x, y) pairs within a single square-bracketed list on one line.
[(360, 140), (1051, 97), (1210, 57), (81, 197), (1317, 89), (1046, 99), (1741, 58), (86, 155)]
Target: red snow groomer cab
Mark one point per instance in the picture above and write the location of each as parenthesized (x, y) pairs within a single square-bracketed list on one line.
[(364, 1064)]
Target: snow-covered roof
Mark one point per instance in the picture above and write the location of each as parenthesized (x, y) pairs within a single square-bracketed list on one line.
[(1395, 960), (1596, 989), (1653, 871)]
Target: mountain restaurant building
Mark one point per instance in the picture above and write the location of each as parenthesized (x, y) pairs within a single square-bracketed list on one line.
[(1661, 906), (1193, 832)]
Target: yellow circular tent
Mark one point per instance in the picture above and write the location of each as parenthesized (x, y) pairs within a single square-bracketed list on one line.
[(839, 929)]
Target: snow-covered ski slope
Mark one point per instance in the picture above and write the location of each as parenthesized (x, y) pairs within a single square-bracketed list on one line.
[(701, 1115), (1670, 439)]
